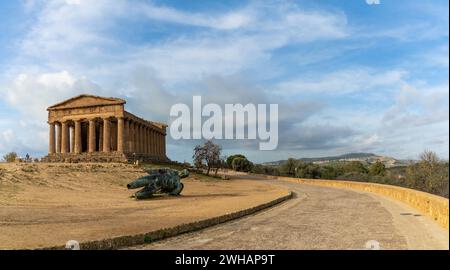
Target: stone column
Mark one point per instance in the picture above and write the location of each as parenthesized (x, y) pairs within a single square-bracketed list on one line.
[(51, 137), (141, 138), (144, 139), (144, 144), (136, 142), (120, 134), (106, 135), (163, 140), (138, 139), (58, 138), (131, 136), (72, 139), (113, 132), (152, 142), (157, 143), (91, 136), (100, 137), (135, 137), (127, 136), (160, 144), (144, 136), (147, 139), (64, 137), (77, 139)]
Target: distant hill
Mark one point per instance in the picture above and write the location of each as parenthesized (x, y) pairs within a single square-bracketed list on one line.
[(363, 157)]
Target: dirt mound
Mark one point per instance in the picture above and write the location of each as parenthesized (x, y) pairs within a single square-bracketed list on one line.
[(47, 204)]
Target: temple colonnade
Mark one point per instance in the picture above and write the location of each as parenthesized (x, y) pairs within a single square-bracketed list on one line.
[(111, 134)]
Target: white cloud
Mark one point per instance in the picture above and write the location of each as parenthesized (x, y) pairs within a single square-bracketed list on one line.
[(438, 57), (82, 37), (413, 32), (418, 106), (7, 136), (232, 20), (373, 2), (31, 94), (73, 2), (342, 81)]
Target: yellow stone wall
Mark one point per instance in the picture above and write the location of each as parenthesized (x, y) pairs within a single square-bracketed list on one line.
[(431, 205)]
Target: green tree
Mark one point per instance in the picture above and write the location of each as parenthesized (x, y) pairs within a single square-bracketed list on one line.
[(355, 167), (229, 159), (377, 168), (328, 172), (241, 165), (307, 170), (288, 167), (265, 169)]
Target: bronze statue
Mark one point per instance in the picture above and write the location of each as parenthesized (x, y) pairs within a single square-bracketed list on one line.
[(159, 181)]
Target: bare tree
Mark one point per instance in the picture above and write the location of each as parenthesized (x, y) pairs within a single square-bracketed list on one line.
[(208, 153), (429, 157), (430, 174)]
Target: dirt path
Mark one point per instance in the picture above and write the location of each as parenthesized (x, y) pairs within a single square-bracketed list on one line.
[(320, 218)]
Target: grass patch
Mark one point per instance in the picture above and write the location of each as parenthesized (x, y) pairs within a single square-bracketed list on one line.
[(147, 239)]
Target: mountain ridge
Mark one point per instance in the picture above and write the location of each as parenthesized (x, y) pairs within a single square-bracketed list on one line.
[(355, 156)]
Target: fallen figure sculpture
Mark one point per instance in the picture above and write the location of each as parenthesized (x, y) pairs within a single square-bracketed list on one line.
[(159, 181)]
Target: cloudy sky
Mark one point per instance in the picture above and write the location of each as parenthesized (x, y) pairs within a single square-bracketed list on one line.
[(348, 76)]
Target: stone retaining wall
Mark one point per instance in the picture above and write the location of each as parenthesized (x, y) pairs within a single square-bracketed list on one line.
[(431, 205)]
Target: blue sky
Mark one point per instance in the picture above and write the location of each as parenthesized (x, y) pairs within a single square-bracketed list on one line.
[(348, 76)]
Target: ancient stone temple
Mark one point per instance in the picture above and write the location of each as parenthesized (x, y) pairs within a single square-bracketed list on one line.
[(89, 128)]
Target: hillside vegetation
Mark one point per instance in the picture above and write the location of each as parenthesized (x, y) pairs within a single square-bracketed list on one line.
[(429, 174)]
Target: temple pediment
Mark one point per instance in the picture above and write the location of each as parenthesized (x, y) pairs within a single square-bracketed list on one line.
[(86, 101)]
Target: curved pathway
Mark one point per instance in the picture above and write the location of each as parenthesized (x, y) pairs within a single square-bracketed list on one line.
[(320, 218)]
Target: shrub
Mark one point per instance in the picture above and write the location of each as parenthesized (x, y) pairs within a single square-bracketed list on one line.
[(10, 157)]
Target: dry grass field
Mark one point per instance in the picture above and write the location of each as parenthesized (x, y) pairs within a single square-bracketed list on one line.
[(46, 204)]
